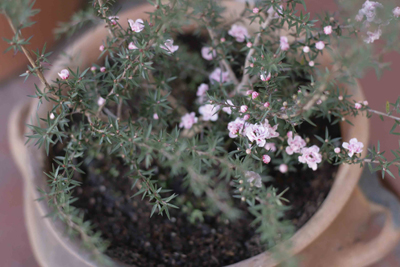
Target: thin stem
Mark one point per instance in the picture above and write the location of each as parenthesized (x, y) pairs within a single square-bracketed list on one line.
[(384, 114), (103, 12)]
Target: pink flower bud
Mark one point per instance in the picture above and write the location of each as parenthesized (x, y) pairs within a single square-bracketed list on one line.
[(357, 105), (320, 45), (101, 48), (254, 95), (101, 101), (256, 10), (365, 103), (249, 44), (155, 116), (328, 30), (93, 68), (340, 98), (306, 49), (283, 168), (246, 117), (103, 69), (266, 104), (132, 46), (222, 40), (64, 74), (337, 150), (249, 92), (319, 102), (243, 108), (248, 151), (52, 116), (311, 63), (266, 159)]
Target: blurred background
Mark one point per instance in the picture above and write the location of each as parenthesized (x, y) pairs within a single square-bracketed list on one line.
[(16, 250)]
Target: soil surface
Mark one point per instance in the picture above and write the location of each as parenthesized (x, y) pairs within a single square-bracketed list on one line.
[(139, 240)]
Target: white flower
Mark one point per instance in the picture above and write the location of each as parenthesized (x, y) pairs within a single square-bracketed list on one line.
[(306, 49), (209, 112), (243, 108), (320, 45), (253, 176), (228, 110), (238, 32), (396, 12), (270, 147), (236, 127), (353, 147), (284, 43), (188, 120), (328, 30), (295, 144), (202, 89), (132, 46), (101, 101), (368, 10), (136, 26), (208, 53), (357, 105), (283, 168), (311, 156), (264, 77), (64, 74), (219, 76), (372, 36), (169, 46), (260, 132)]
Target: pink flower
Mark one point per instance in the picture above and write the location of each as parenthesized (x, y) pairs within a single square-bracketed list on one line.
[(249, 92), (219, 75), (357, 105), (284, 43), (238, 32), (246, 117), (283, 168), (311, 63), (264, 77), (319, 102), (169, 46), (373, 36), (93, 68), (136, 26), (295, 144), (328, 30), (155, 116), (320, 45), (101, 48), (266, 104), (311, 156), (254, 95), (103, 69), (228, 110), (188, 120), (236, 127), (337, 150), (64, 74), (253, 177), (365, 103), (52, 116), (368, 10), (256, 10), (266, 159), (260, 132), (202, 89), (396, 12), (208, 53), (243, 108), (306, 49), (132, 46), (270, 147), (353, 147), (101, 101), (113, 20), (209, 112), (249, 44)]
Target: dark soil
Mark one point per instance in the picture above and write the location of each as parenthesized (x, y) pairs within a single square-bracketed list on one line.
[(140, 240)]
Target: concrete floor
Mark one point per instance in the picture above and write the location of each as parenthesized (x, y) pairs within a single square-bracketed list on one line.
[(15, 249)]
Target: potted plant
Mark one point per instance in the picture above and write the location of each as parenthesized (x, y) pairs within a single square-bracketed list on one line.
[(246, 132)]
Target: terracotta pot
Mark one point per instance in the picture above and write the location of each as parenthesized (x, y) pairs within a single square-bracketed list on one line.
[(51, 12), (343, 232)]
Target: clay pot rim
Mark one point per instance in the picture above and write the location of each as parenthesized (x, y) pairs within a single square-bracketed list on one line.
[(342, 188)]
